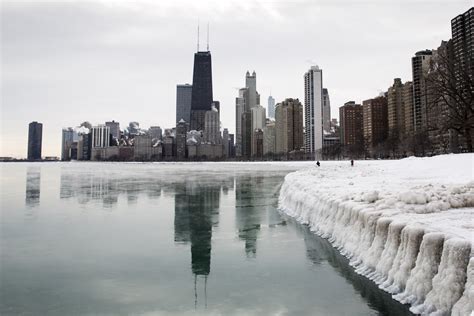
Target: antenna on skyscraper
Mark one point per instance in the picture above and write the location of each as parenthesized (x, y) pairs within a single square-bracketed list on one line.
[(207, 36), (198, 37)]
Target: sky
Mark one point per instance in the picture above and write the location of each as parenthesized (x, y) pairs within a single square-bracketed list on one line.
[(65, 62)]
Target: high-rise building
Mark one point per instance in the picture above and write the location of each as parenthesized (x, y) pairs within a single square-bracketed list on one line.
[(257, 143), (375, 120), (100, 136), (247, 100), (239, 111), (313, 108), (258, 123), (289, 126), (407, 94), (462, 30), (326, 111), (114, 128), (212, 131), (420, 66), (181, 132), (225, 142), (351, 124), (232, 145), (251, 85), (35, 138), (269, 138), (66, 143), (201, 96), (183, 102), (396, 109), (271, 107)]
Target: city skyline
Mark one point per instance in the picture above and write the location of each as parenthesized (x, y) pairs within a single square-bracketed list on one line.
[(46, 63)]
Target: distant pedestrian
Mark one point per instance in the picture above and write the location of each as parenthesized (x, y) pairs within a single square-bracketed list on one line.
[(317, 163), (352, 163)]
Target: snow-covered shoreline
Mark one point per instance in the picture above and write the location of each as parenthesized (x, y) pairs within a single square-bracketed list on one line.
[(408, 225)]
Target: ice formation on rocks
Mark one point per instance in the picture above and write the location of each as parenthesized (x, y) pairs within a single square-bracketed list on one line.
[(408, 225)]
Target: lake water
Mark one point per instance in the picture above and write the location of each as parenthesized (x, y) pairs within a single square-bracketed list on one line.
[(166, 239)]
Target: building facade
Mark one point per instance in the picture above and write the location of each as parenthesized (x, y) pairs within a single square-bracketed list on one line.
[(100, 136), (66, 143), (420, 66), (183, 102), (289, 126), (181, 132), (313, 109), (351, 124), (201, 95), (35, 139), (271, 107), (239, 111), (114, 129), (326, 111), (396, 110), (375, 120)]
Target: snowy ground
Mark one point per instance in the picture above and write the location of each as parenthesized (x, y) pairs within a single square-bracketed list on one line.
[(407, 224)]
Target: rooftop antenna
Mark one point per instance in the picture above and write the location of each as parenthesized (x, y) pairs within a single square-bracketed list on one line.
[(207, 36), (198, 37)]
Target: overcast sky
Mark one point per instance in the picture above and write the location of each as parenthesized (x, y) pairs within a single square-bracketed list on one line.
[(65, 62)]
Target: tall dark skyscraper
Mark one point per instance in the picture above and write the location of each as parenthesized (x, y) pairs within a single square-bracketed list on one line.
[(35, 136), (201, 99), (183, 102)]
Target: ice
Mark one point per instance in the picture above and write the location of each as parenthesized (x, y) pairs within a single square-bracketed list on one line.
[(465, 304), (408, 224)]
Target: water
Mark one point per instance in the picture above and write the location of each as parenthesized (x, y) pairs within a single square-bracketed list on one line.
[(166, 239)]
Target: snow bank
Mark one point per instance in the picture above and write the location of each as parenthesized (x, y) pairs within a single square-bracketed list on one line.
[(408, 225)]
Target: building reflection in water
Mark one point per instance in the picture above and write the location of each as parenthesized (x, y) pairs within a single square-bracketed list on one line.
[(33, 186), (106, 188), (249, 204), (196, 212)]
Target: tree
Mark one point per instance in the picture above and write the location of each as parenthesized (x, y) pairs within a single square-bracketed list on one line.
[(451, 82)]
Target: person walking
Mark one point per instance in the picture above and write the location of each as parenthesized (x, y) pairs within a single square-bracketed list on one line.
[(352, 162)]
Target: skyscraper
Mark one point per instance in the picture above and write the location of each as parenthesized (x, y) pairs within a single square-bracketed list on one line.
[(375, 120), (239, 111), (396, 109), (271, 107), (181, 132), (114, 129), (462, 30), (351, 121), (248, 99), (66, 143), (35, 137), (289, 126), (212, 131), (326, 111), (201, 96), (183, 102), (420, 66), (313, 108), (251, 85)]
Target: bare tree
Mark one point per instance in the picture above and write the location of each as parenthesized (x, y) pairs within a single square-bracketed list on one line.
[(451, 81)]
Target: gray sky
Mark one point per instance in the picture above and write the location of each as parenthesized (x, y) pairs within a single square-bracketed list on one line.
[(65, 62)]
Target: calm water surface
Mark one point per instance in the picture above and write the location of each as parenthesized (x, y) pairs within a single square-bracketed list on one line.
[(166, 239)]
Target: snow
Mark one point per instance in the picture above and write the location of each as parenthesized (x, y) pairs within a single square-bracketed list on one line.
[(408, 224)]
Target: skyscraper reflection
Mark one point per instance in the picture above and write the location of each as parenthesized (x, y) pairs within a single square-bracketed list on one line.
[(196, 212), (248, 207), (33, 186)]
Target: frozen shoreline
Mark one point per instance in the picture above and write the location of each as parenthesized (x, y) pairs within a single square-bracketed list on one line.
[(408, 225)]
